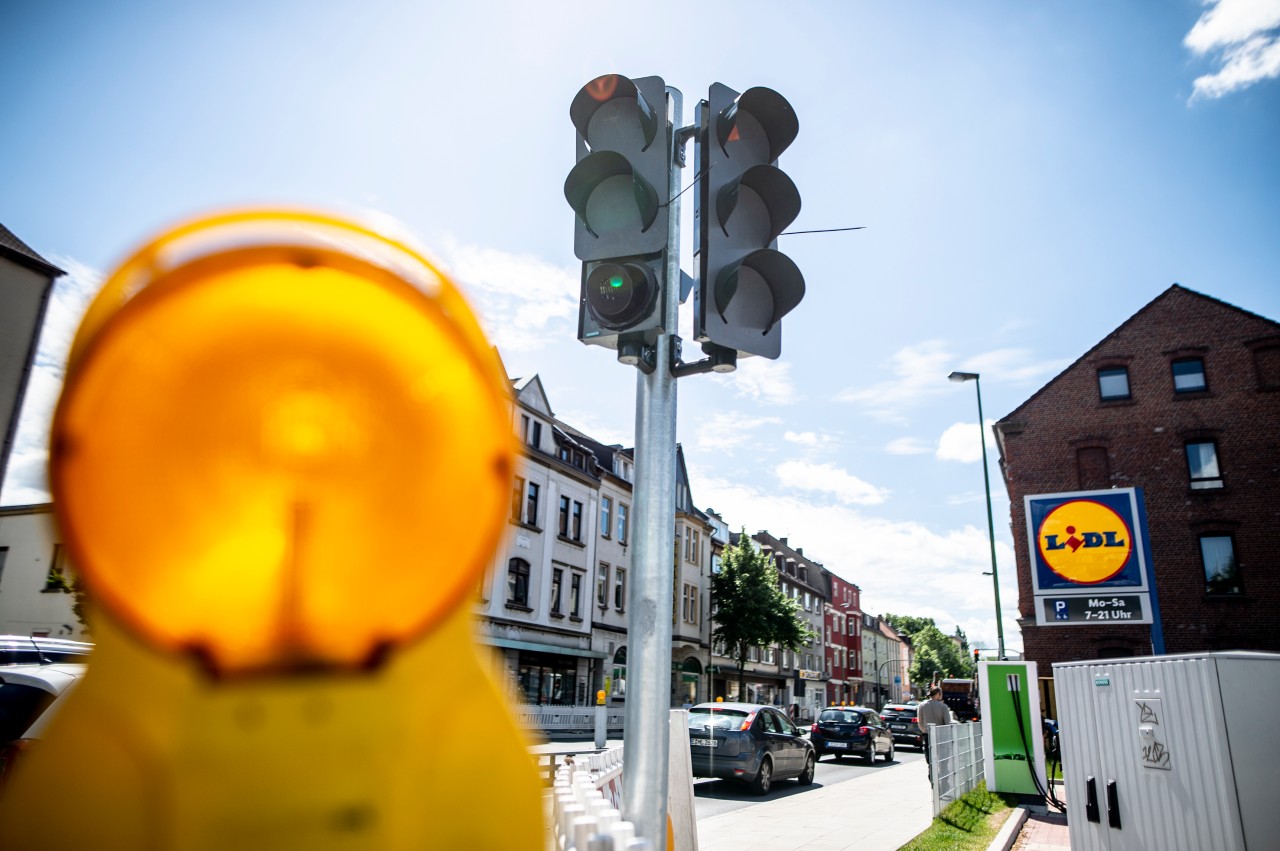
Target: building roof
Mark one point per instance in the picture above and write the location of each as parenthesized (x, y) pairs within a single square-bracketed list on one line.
[(18, 251), (1175, 291)]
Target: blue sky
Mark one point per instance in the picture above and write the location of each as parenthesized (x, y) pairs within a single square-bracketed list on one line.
[(1029, 174)]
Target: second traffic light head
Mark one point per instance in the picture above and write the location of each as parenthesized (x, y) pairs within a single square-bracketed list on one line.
[(745, 285)]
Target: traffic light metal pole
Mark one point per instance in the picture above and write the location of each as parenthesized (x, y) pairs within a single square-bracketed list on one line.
[(646, 738)]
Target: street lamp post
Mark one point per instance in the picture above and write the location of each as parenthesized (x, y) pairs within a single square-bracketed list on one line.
[(986, 480)]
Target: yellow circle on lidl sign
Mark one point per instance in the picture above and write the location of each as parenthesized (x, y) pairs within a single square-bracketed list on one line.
[(283, 443), (1084, 541)]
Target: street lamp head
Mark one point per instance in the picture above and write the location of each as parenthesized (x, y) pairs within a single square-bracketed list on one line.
[(963, 376)]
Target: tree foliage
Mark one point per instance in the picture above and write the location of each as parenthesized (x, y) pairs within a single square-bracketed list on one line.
[(751, 608), (933, 652)]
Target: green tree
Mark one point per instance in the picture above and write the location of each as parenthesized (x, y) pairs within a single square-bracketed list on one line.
[(935, 653), (750, 608), (906, 624)]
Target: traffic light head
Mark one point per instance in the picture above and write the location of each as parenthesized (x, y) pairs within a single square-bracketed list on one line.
[(268, 421), (975, 655), (618, 192), (745, 285)]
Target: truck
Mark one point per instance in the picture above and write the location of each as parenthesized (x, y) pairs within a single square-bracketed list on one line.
[(961, 695)]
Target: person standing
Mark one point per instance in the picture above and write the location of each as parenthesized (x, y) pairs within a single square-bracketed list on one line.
[(930, 713)]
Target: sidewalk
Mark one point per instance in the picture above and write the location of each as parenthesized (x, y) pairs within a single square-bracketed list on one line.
[(877, 812)]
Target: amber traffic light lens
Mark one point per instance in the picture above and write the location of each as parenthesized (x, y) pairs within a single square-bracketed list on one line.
[(283, 442)]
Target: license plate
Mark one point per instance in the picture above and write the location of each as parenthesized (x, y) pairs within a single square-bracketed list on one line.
[(897, 726), (704, 743), (837, 744)]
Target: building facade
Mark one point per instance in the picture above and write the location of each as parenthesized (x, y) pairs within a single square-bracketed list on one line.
[(842, 634), (1183, 401), (26, 281), (32, 600)]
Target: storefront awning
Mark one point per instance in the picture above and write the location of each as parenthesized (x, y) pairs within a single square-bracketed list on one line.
[(511, 644)]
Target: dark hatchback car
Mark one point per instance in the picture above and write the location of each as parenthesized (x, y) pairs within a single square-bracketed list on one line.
[(750, 742), (844, 730), (903, 723)]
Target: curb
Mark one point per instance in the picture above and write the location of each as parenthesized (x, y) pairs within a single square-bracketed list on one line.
[(1009, 831)]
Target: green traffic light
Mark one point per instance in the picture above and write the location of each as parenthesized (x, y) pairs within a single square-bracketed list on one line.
[(616, 282)]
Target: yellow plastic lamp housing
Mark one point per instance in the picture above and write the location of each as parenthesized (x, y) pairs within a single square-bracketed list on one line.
[(283, 443)]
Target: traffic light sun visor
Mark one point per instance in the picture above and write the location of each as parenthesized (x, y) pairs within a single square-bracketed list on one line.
[(606, 105), (775, 191), (758, 112), (599, 171)]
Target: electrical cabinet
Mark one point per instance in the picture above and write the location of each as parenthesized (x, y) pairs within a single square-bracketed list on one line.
[(1171, 752)]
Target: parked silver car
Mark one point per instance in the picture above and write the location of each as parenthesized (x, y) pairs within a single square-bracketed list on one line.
[(750, 742), (29, 696)]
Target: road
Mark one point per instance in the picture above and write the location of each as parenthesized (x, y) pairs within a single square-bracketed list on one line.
[(713, 797)]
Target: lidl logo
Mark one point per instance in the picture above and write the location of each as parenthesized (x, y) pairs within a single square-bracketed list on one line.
[(1084, 541)]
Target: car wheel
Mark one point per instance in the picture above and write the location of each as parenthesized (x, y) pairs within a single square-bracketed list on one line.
[(764, 780), (806, 776), (870, 755), (888, 757)]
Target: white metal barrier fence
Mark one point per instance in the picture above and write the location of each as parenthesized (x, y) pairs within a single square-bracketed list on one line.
[(955, 751), (567, 719)]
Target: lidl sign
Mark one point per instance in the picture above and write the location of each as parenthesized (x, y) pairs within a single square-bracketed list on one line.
[(1086, 547)]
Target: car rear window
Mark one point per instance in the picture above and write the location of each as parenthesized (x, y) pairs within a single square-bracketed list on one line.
[(20, 705), (717, 719), (841, 716)]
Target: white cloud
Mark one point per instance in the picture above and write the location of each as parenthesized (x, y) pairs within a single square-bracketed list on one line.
[(944, 569), (727, 431), (908, 446), (961, 442), (810, 439), (524, 303), (919, 371), (1243, 34), (1013, 366), (762, 380), (825, 478)]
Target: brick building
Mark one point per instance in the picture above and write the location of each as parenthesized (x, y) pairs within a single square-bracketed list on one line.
[(1182, 400)]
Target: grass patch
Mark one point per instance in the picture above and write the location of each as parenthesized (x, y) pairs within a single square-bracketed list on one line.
[(968, 824)]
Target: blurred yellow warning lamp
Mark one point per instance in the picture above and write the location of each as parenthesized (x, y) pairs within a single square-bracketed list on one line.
[(283, 444)]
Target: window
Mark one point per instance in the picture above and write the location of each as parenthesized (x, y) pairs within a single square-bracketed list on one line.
[(535, 435), (1202, 464), (518, 582), (577, 520), (1188, 375), (689, 603), (575, 595), (557, 585), (692, 546), (622, 523), (620, 589), (517, 498), (771, 655), (1221, 572), (602, 586), (606, 509), (808, 602), (531, 505), (564, 516), (1093, 468), (1113, 383), (753, 654)]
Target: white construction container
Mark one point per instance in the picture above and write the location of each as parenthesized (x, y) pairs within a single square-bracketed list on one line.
[(1171, 752)]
